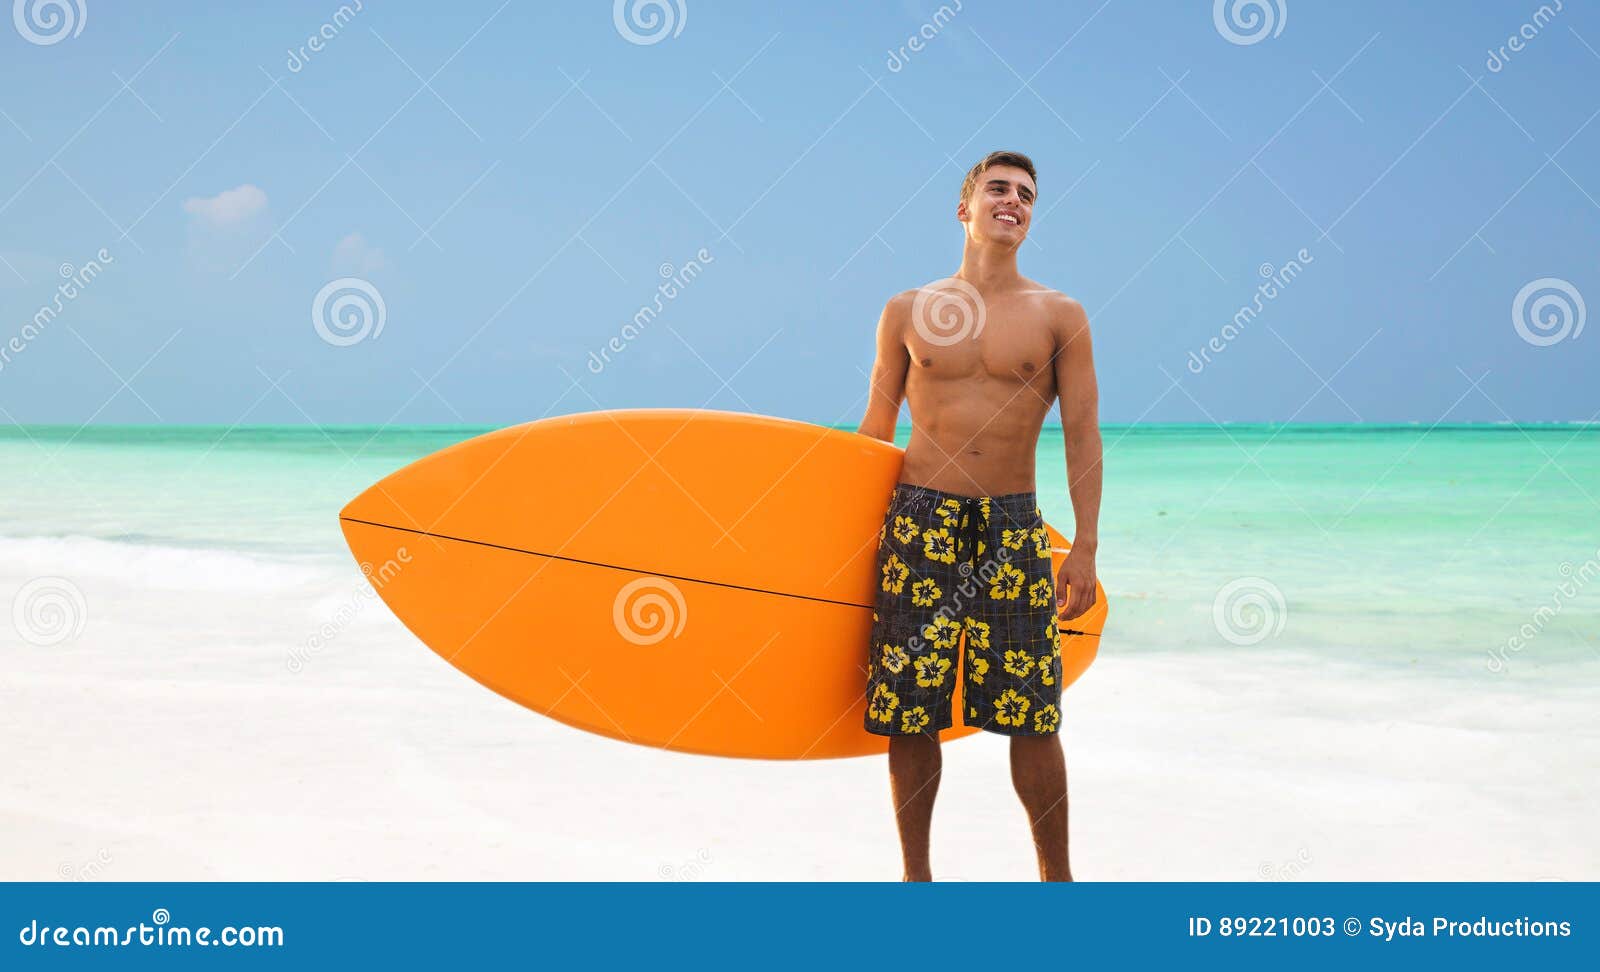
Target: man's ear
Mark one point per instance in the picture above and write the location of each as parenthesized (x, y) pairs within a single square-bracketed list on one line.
[(961, 212)]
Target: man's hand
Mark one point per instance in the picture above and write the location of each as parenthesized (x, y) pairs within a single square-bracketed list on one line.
[(1075, 583)]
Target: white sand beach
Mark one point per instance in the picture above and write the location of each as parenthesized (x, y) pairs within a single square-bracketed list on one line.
[(171, 740)]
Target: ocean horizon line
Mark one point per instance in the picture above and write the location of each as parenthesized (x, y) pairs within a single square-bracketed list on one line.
[(102, 427)]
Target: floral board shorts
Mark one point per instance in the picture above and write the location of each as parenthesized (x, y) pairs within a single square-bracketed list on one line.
[(972, 570)]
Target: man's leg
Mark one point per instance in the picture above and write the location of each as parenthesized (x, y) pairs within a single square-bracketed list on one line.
[(1039, 773), (915, 764)]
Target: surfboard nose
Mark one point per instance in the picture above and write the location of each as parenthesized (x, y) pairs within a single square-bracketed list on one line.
[(366, 510), (359, 504), (396, 501), (350, 511)]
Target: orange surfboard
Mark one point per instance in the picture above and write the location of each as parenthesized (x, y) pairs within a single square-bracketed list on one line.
[(695, 580)]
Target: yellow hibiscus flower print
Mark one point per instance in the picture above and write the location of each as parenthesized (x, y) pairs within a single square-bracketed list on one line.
[(914, 719), (1041, 542), (881, 706), (1011, 709), (942, 631), (894, 657), (1041, 592), (977, 633), (1047, 669), (1007, 583), (979, 667), (1019, 663), (931, 670), (1047, 719), (1012, 539), (905, 529), (894, 574), (938, 545), (983, 506), (948, 512), (925, 593)]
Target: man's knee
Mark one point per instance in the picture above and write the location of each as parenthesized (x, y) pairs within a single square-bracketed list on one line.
[(1040, 743), (925, 739)]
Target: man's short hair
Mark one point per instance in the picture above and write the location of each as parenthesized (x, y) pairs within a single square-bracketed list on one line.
[(1016, 159)]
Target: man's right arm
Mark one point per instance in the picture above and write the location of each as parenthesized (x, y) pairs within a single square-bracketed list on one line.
[(888, 379)]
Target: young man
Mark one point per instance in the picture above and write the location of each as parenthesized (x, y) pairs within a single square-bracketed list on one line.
[(981, 357)]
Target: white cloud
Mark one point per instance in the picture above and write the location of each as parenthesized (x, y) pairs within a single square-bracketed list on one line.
[(353, 256), (229, 208)]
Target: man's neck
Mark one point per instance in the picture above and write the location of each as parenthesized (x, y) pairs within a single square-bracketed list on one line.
[(990, 269)]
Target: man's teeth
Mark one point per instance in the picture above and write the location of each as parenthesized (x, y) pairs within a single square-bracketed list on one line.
[(1006, 218)]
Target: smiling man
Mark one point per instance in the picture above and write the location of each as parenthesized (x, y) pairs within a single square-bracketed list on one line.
[(981, 357)]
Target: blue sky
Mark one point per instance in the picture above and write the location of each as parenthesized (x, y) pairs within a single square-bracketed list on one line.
[(515, 182)]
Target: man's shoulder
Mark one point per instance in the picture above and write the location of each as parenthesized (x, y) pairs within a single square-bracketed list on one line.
[(1047, 295), (897, 309), (1061, 311)]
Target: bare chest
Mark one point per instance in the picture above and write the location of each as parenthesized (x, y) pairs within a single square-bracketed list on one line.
[(1016, 350)]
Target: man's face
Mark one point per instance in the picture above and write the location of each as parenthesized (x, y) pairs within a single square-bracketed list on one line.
[(1000, 207)]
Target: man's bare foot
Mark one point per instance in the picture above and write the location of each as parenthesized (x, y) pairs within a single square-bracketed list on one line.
[(917, 876)]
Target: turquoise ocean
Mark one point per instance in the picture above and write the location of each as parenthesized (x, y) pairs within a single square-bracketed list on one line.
[(1469, 551), (1334, 653)]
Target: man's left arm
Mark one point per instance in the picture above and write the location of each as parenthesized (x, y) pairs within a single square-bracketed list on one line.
[(1080, 429)]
